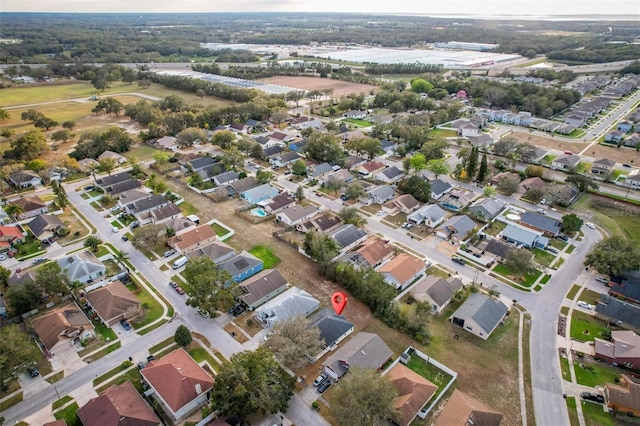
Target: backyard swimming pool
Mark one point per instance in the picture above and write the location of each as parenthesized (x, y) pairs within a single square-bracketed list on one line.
[(258, 211)]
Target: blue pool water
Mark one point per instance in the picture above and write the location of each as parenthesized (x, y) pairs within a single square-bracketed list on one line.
[(258, 211)]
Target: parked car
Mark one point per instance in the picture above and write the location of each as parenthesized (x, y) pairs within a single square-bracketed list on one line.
[(626, 165), (459, 260), (204, 313), (114, 230), (602, 280), (179, 290), (542, 211), (584, 304), (169, 253), (322, 387), (114, 209), (125, 325), (173, 284), (590, 225), (552, 250), (89, 187), (33, 372), (39, 260), (589, 396), (238, 311), (2, 257), (125, 238), (319, 379), (134, 225), (562, 237)]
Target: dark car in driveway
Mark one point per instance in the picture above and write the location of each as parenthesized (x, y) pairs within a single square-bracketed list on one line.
[(589, 396), (33, 372), (322, 387)]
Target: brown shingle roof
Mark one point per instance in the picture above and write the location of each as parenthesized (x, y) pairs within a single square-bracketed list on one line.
[(374, 250), (461, 409), (626, 394), (403, 267), (177, 378), (113, 302), (118, 406), (68, 321), (30, 203), (413, 392), (193, 237)]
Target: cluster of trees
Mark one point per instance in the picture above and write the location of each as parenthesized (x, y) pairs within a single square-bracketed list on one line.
[(470, 167), (514, 150), (209, 89), (235, 55), (613, 256), (16, 352), (27, 147), (413, 132), (38, 119), (402, 68), (212, 288), (93, 143), (49, 280)]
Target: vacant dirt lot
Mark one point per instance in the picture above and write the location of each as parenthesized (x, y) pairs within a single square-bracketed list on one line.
[(339, 87), (621, 155)]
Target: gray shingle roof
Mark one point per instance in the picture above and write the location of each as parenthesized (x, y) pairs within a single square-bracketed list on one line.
[(392, 172), (245, 184), (261, 285), (542, 222), (331, 326), (383, 192), (618, 310), (120, 187), (439, 187), (113, 179), (42, 222), (319, 170), (484, 310), (145, 204), (347, 235), (364, 350), (459, 225), (166, 211), (202, 162), (520, 234)]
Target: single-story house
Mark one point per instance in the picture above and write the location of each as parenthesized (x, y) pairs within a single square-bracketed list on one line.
[(404, 203), (88, 164), (390, 174), (292, 303), (625, 126), (226, 178), (436, 291), (281, 137), (378, 195), (461, 409), (319, 170), (120, 187), (244, 184), (481, 141), (132, 195), (167, 142), (177, 383), (120, 159), (272, 151), (430, 214), (633, 179), (456, 200), (261, 288), (61, 326), (322, 223), (45, 227), (25, 179), (31, 205), (82, 266), (113, 303), (118, 405), (456, 228), (358, 115), (371, 253), (281, 201), (626, 286), (193, 239), (144, 205), (364, 350), (414, 391), (333, 330), (602, 166), (402, 270), (260, 193), (242, 266), (439, 188), (165, 214), (625, 396), (106, 181), (497, 248), (339, 175), (532, 182), (480, 315), (285, 159), (486, 209), (623, 349), (10, 235), (348, 236), (549, 226), (296, 214), (499, 177), (618, 311), (614, 136), (565, 162), (525, 237), (217, 251), (370, 168), (353, 161)]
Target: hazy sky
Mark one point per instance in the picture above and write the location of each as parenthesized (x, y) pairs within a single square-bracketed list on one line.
[(475, 7)]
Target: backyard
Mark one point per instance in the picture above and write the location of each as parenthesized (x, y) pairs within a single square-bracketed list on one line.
[(266, 255)]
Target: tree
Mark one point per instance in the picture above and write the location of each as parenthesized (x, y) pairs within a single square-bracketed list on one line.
[(472, 162), (161, 157), (420, 85), (519, 261), (299, 168), (264, 176), (300, 193), (61, 135), (321, 248), (294, 342), (69, 124), (52, 279), (109, 105), (232, 158), (534, 171), (257, 152), (571, 223), (223, 138), (489, 191), (279, 115), (418, 162), (107, 165), (17, 351), (534, 194), (438, 167), (509, 185), (92, 242), (182, 336), (324, 147), (613, 256), (190, 136), (28, 146), (24, 298), (149, 237), (294, 96), (61, 194), (483, 169), (354, 191), (4, 114), (434, 149), (417, 186), (582, 182), (364, 397), (201, 93), (334, 185), (252, 382), (13, 210), (211, 287), (351, 216)]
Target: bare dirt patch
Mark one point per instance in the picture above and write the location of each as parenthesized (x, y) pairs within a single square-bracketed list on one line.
[(621, 155), (552, 143), (339, 87)]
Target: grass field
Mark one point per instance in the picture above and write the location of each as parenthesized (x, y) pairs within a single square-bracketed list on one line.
[(266, 255), (69, 415), (529, 278), (357, 122), (443, 133), (153, 308), (595, 374), (59, 403), (627, 226), (585, 327), (594, 415), (542, 257), (119, 369), (564, 367), (573, 291), (132, 376)]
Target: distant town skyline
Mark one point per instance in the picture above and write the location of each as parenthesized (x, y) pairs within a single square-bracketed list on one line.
[(630, 9)]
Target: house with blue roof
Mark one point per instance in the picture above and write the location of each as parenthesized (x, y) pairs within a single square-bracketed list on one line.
[(260, 193)]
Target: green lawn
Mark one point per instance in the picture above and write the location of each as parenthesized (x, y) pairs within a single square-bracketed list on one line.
[(590, 296), (573, 291), (564, 310), (166, 342), (444, 133), (558, 263), (595, 374), (573, 413), (11, 401), (266, 255), (153, 308), (594, 415), (132, 376), (69, 415), (59, 403), (200, 354), (182, 283), (542, 257), (529, 278), (106, 351), (570, 249), (429, 372), (564, 367), (187, 208), (557, 243), (545, 279), (585, 327), (357, 122), (219, 230), (495, 228), (111, 373), (107, 333)]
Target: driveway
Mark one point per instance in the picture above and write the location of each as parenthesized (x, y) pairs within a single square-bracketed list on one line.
[(68, 358)]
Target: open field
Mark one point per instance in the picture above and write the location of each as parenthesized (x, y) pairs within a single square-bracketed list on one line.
[(339, 87), (611, 220)]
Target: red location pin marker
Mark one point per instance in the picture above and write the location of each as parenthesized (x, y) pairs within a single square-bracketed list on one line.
[(339, 301)]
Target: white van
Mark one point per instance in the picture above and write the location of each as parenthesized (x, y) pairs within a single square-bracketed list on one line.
[(180, 262)]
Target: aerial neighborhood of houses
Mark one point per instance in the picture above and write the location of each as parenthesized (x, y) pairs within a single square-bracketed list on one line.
[(148, 284)]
